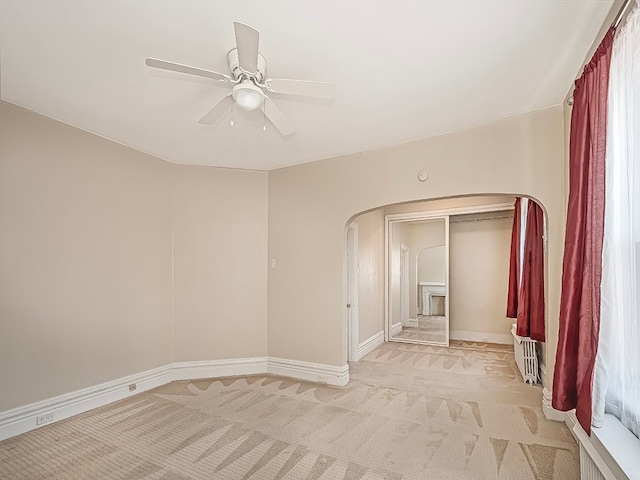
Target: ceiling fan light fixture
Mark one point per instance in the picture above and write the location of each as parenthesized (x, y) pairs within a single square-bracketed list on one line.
[(248, 96)]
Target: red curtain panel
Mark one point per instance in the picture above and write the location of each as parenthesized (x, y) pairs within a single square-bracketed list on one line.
[(582, 264), (530, 315), (514, 263)]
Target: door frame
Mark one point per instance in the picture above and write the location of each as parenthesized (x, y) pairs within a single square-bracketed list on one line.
[(426, 215), (352, 293)]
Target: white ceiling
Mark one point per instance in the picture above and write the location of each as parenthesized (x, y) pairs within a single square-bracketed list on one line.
[(402, 70)]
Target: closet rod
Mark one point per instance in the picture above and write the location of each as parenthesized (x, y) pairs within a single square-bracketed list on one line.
[(504, 217)]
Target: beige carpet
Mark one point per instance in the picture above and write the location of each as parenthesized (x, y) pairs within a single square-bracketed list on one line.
[(409, 412), (431, 328)]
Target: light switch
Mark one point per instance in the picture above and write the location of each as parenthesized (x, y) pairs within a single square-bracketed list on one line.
[(274, 262)]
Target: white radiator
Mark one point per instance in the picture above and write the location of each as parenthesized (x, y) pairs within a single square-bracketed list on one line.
[(588, 468), (610, 453), (526, 357)]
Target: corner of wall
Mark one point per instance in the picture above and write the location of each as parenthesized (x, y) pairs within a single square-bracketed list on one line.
[(549, 412)]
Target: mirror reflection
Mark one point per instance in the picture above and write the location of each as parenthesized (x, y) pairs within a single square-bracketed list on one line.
[(432, 292), (418, 281)]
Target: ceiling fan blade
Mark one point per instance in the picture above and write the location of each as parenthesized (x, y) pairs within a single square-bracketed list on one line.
[(273, 113), (217, 111), (247, 39), (300, 87), (178, 67)]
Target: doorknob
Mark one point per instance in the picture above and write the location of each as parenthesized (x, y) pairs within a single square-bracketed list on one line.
[(348, 305)]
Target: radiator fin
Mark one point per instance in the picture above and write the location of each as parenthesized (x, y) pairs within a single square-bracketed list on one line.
[(526, 357), (588, 468)]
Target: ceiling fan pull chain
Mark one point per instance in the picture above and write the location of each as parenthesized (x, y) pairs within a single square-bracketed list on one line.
[(231, 122), (264, 120)]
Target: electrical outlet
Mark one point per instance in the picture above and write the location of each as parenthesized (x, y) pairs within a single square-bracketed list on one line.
[(46, 418), (132, 387), (323, 379)]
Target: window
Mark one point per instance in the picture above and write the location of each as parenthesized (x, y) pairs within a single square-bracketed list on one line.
[(617, 376)]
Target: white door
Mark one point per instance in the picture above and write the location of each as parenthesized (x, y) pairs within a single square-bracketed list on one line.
[(352, 292)]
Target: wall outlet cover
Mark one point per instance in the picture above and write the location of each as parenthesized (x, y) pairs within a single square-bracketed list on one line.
[(46, 418)]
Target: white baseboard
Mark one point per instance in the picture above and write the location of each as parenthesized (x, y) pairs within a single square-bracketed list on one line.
[(571, 421), (543, 373), (370, 344), (218, 368), (502, 338), (412, 322), (313, 372), (23, 419), (548, 411), (395, 329)]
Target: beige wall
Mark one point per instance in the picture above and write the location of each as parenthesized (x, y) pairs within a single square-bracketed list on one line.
[(449, 203), (85, 249), (91, 233), (220, 263), (371, 274), (432, 265), (86, 232), (479, 274), (521, 155)]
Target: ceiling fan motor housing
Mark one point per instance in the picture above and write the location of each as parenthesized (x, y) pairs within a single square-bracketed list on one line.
[(237, 72)]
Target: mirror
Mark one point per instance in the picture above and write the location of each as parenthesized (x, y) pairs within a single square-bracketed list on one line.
[(431, 293), (418, 274)]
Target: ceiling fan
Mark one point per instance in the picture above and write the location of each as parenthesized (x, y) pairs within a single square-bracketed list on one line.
[(248, 68)]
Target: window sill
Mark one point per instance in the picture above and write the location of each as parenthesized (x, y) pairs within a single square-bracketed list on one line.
[(617, 448)]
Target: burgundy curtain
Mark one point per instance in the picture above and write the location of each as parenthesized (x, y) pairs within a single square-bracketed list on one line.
[(582, 265), (514, 263), (530, 318)]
